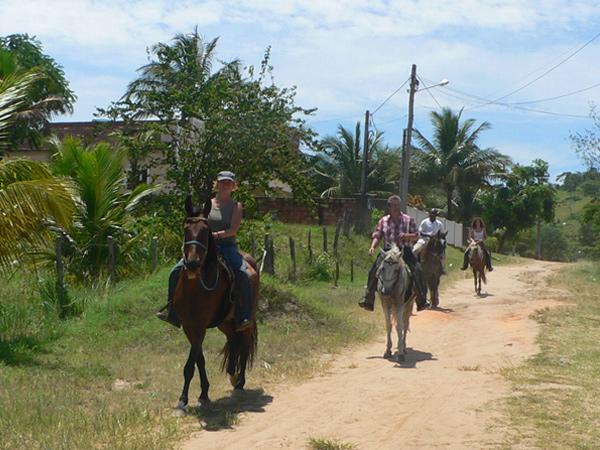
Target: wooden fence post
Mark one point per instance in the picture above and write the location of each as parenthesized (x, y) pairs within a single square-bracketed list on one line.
[(111, 258), (336, 237), (310, 252), (352, 270), (154, 252), (268, 265), (337, 272), (253, 244), (325, 239), (60, 269), (293, 257), (346, 221)]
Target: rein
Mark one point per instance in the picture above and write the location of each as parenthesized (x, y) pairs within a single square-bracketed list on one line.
[(200, 244)]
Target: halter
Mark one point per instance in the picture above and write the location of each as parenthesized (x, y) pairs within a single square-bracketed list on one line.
[(203, 246)]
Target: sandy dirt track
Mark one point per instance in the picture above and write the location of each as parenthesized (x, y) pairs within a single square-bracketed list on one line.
[(444, 395)]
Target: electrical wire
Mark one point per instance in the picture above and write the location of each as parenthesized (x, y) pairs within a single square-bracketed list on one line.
[(429, 92), (390, 96), (544, 73), (539, 100)]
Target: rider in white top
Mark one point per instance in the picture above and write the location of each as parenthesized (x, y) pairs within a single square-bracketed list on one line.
[(428, 228)]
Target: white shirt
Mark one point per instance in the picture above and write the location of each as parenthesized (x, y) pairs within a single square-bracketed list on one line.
[(430, 228), (478, 235)]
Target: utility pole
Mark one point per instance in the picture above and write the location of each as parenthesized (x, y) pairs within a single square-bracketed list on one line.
[(363, 226), (414, 84)]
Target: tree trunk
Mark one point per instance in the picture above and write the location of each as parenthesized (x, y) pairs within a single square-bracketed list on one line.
[(449, 214)]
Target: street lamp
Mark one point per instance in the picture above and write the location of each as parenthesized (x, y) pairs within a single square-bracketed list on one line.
[(414, 86)]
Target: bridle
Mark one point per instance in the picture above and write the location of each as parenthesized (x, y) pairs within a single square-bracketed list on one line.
[(205, 248)]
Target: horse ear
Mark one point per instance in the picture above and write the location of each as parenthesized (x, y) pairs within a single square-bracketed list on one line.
[(207, 207), (189, 206), (445, 234)]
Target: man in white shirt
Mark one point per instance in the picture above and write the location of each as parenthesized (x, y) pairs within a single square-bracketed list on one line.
[(428, 228)]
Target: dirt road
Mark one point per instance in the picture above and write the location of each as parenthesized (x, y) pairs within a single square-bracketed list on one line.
[(444, 395)]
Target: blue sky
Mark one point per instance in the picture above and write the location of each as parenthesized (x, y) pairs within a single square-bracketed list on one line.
[(348, 56)]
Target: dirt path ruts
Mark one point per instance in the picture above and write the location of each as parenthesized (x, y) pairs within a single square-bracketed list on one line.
[(443, 395)]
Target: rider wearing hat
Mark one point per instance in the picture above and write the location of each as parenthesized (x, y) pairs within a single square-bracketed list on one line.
[(428, 227), (400, 229), (224, 221)]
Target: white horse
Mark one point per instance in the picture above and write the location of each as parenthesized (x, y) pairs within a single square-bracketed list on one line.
[(393, 282)]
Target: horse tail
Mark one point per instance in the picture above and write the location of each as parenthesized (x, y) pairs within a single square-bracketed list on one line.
[(240, 350)]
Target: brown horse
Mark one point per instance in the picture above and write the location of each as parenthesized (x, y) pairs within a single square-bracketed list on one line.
[(432, 265), (202, 300), (477, 261)]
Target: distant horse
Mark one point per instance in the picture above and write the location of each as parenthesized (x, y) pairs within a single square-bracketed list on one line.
[(477, 261), (393, 284), (202, 300), (432, 264)]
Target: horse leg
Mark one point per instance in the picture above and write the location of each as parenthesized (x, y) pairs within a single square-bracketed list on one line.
[(188, 374), (388, 327), (204, 384), (400, 330), (474, 278)]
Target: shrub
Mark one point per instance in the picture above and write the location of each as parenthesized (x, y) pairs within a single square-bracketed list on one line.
[(320, 268), (492, 243)]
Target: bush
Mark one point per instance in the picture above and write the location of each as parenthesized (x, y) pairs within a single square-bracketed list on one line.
[(321, 267), (492, 243)]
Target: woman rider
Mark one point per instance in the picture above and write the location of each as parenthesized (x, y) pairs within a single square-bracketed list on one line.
[(478, 234), (224, 221)]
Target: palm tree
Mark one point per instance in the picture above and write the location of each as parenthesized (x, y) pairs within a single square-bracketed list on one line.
[(454, 159), (105, 203), (31, 198), (340, 164)]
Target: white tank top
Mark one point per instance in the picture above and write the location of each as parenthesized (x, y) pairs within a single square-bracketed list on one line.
[(478, 235)]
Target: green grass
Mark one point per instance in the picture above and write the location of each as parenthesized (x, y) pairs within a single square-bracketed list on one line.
[(555, 404), (329, 444), (110, 377)]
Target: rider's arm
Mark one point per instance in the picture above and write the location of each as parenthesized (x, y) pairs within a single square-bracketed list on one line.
[(236, 220), (412, 234), (377, 235)]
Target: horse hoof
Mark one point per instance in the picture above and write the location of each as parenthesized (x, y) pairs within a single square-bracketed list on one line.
[(203, 401), (387, 354), (178, 412), (233, 379)]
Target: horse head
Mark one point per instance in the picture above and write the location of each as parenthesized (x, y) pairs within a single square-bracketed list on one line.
[(436, 245), (389, 272), (198, 243)]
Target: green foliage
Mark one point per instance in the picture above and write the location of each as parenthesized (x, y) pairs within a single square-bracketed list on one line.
[(523, 197), (105, 204), (337, 168), (253, 231), (587, 142), (376, 215), (556, 244), (492, 243), (229, 118), (454, 160), (50, 93), (320, 268)]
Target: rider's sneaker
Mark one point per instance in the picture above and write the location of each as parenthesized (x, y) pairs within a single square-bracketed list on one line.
[(366, 305), (464, 268), (490, 269), (163, 314), (244, 325)]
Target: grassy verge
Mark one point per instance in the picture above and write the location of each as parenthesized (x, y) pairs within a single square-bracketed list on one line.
[(556, 400), (109, 378)]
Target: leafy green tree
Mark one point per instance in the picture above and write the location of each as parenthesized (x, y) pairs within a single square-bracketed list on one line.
[(453, 158), (221, 118), (587, 142), (338, 165), (523, 197), (31, 199), (48, 96), (105, 203)]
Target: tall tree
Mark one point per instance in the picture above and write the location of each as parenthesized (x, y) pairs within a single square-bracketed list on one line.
[(49, 96), (221, 118), (340, 161), (587, 142), (31, 199), (453, 158), (522, 198)]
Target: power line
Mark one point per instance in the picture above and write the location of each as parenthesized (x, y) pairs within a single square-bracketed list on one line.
[(429, 92), (510, 105), (544, 73), (539, 100), (391, 95)]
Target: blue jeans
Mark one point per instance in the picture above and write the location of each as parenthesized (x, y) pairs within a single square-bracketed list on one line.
[(242, 282)]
